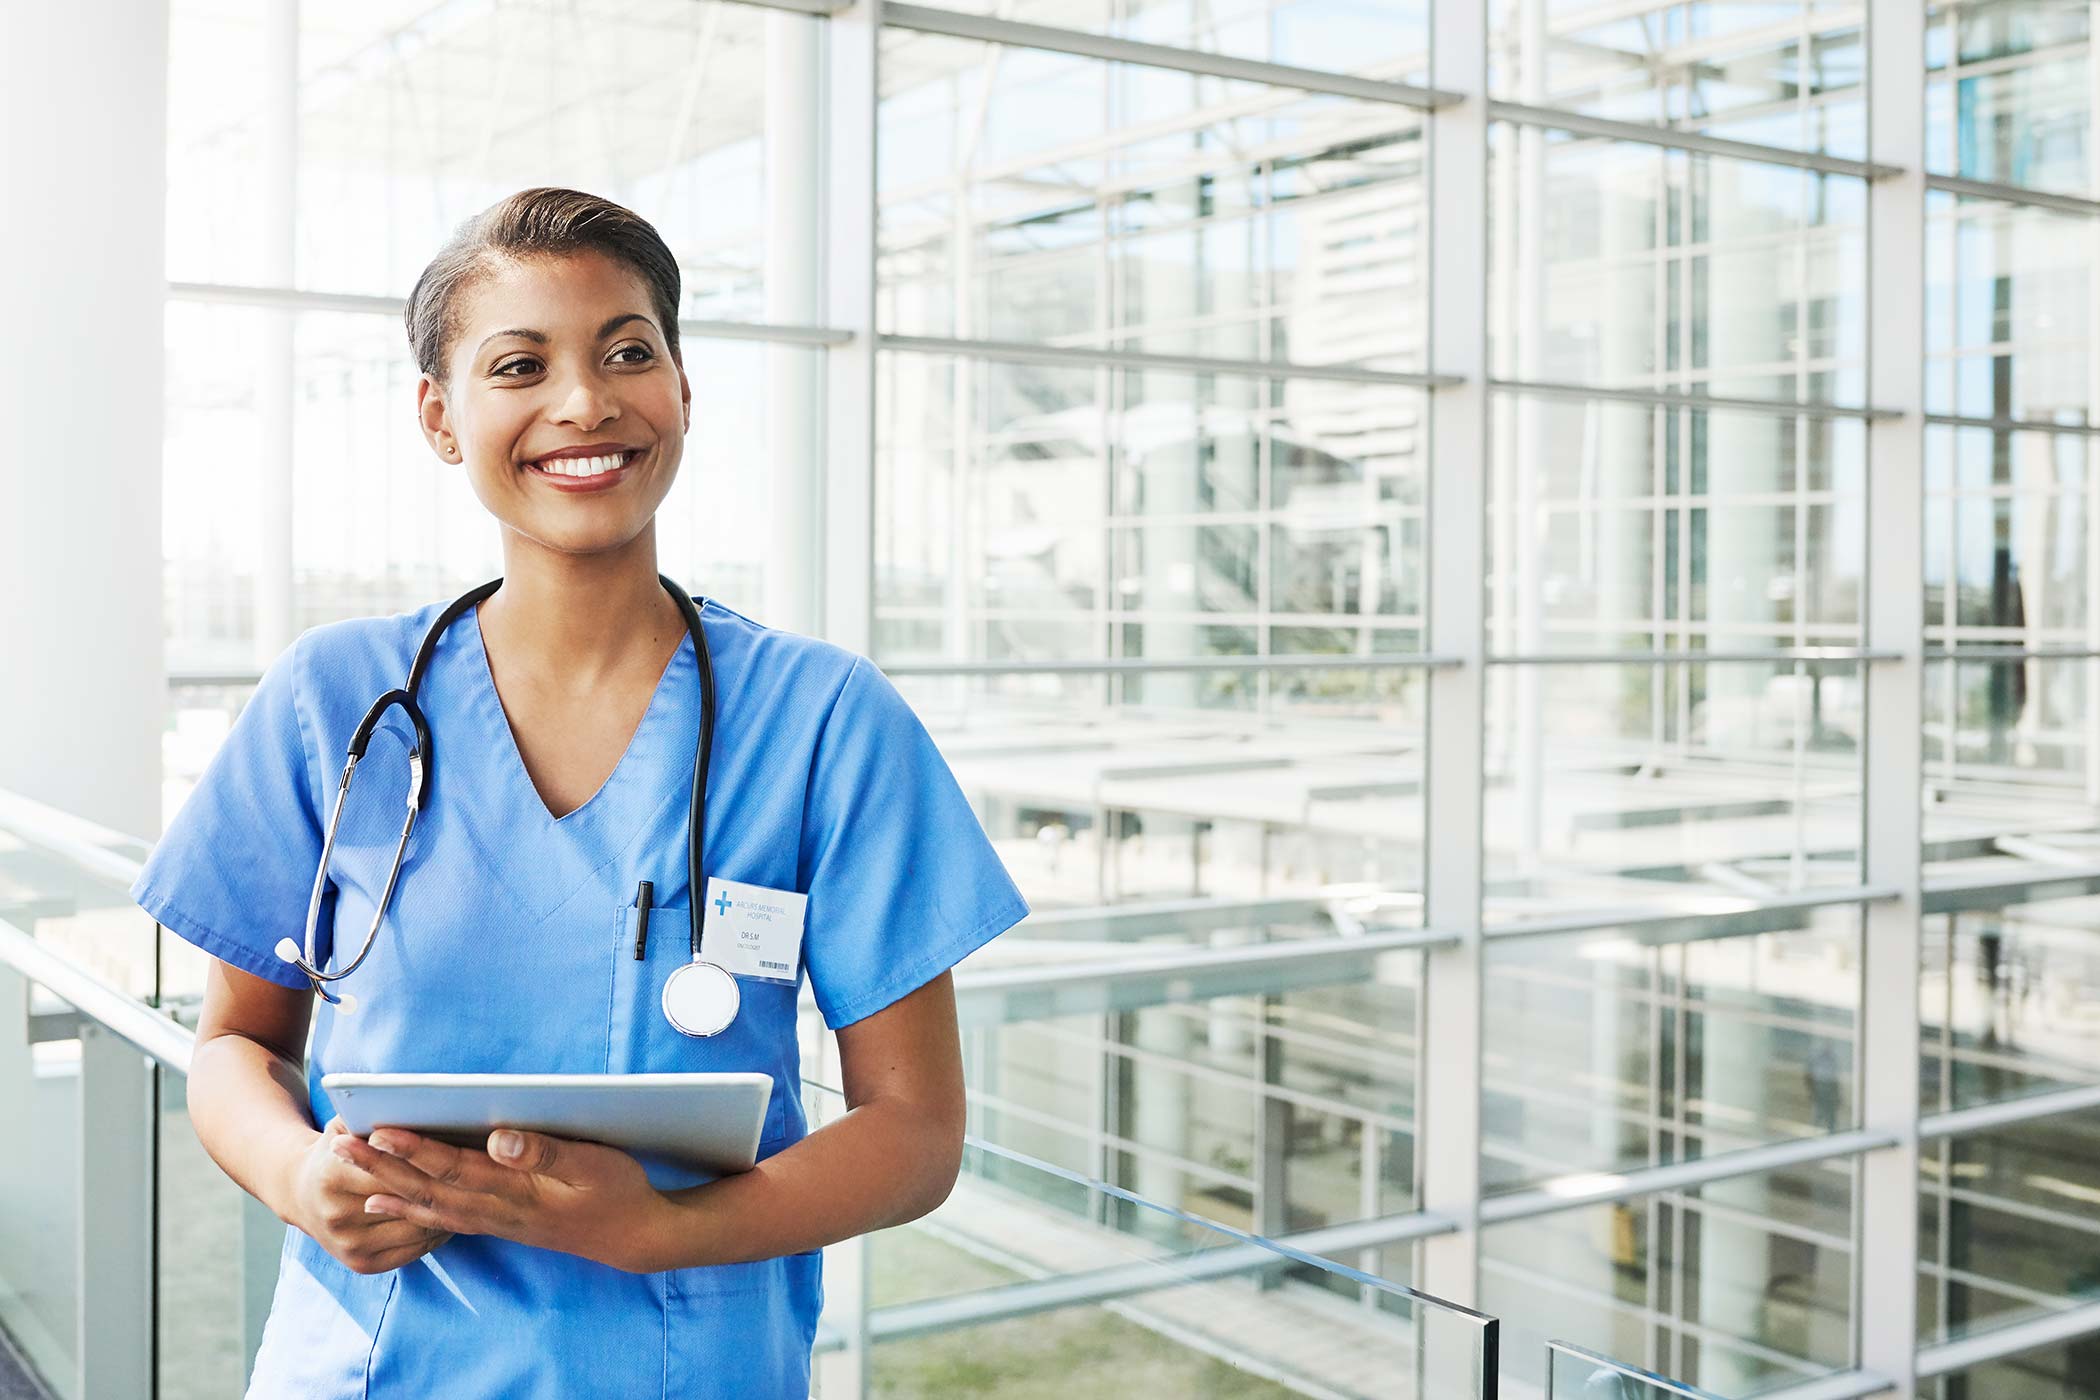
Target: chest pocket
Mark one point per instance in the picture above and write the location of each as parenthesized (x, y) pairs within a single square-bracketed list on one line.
[(640, 1040)]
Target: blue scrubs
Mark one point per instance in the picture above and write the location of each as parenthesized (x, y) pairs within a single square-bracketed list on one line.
[(510, 947)]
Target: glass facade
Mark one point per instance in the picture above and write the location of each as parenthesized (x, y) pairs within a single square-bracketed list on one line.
[(1186, 385)]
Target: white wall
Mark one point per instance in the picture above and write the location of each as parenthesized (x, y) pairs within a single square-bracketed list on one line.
[(82, 176)]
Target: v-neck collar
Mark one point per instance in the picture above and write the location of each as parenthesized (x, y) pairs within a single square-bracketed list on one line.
[(641, 744)]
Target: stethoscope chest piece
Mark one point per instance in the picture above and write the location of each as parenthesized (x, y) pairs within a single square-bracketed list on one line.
[(700, 999)]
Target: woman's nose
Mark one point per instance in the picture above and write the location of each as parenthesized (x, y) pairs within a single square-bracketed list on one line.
[(586, 403)]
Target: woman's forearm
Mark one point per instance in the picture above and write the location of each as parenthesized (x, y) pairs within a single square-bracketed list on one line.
[(886, 1162), (248, 1105)]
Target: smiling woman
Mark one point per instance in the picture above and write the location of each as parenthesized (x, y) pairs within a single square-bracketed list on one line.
[(574, 703)]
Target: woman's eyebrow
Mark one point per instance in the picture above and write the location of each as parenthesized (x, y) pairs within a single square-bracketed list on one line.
[(540, 337)]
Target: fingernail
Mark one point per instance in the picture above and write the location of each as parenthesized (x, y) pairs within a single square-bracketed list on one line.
[(341, 1148), (509, 1144), (372, 1207), (385, 1144)]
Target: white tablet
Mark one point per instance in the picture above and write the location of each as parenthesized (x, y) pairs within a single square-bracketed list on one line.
[(708, 1122)]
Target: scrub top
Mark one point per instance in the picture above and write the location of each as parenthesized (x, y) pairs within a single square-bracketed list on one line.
[(509, 947)]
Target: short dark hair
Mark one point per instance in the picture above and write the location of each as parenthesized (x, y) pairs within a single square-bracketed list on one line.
[(536, 223)]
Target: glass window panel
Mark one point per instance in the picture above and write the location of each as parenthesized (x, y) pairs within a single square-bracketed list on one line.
[(1042, 197), (1615, 1056), (1035, 512), (1302, 1101), (2008, 550), (2014, 1217), (2012, 766), (1621, 265), (1095, 794), (200, 1348), (410, 119), (1378, 38), (1790, 73), (1652, 786), (2069, 1371), (212, 465), (1616, 525), (1739, 1287), (2009, 90), (2009, 310), (2003, 1002)]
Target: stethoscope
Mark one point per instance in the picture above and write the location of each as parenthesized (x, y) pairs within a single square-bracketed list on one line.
[(699, 998)]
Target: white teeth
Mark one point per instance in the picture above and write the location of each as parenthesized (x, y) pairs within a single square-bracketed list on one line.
[(586, 466)]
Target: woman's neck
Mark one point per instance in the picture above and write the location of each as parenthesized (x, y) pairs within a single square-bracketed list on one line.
[(586, 618)]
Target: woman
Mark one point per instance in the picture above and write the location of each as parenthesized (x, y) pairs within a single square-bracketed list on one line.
[(564, 714)]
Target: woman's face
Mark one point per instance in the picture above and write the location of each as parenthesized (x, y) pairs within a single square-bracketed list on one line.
[(564, 403)]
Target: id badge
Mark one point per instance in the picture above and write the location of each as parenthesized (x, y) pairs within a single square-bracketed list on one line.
[(753, 931)]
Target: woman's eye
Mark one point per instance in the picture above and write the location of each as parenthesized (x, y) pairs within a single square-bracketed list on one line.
[(509, 365), (643, 350)]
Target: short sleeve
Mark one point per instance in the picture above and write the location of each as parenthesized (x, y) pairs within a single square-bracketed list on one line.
[(902, 879), (233, 872)]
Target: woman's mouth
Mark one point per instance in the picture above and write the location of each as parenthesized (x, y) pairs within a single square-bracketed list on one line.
[(583, 473)]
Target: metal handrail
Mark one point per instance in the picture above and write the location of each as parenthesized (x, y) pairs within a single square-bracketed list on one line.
[(72, 838), (152, 1032)]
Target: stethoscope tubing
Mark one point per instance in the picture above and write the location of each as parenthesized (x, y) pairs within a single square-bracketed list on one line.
[(421, 763)]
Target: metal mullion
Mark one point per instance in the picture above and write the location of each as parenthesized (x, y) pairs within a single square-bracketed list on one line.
[(2007, 1113), (2005, 1205), (1234, 1079), (1583, 1189), (1115, 139), (2011, 194), (901, 1321), (987, 29), (1149, 360), (1448, 1070), (847, 124), (1696, 925), (1945, 1358), (2008, 425), (827, 9), (1778, 655), (1428, 661), (1885, 1203), (1670, 138), (1687, 248), (1679, 399)]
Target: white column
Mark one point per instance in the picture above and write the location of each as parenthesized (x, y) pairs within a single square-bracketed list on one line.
[(842, 520), (279, 206), (1449, 1116), (794, 374), (83, 137), (1886, 1300), (846, 519)]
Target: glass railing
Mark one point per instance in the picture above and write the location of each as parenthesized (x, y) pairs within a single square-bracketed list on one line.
[(1573, 1373), (1028, 1268)]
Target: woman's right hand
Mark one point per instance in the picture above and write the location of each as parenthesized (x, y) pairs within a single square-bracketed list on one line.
[(328, 1203)]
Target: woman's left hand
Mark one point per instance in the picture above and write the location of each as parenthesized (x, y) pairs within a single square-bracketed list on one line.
[(581, 1198)]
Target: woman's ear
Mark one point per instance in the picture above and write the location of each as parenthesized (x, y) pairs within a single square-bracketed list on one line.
[(685, 396), (435, 422)]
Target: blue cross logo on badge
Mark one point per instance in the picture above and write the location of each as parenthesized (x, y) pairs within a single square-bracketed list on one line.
[(722, 902)]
